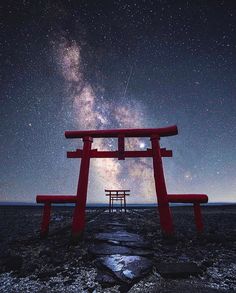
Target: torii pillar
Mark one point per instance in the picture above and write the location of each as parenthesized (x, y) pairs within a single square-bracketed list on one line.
[(79, 212), (161, 192)]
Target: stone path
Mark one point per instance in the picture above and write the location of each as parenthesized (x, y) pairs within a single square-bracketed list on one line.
[(121, 254)]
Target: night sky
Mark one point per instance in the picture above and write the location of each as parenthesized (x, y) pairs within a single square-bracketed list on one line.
[(69, 65)]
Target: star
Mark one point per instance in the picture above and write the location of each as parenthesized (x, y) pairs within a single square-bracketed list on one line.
[(142, 145)]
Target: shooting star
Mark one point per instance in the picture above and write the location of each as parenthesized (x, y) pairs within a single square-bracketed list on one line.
[(127, 84)]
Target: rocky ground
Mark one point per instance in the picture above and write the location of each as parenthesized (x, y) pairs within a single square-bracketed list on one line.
[(119, 252)]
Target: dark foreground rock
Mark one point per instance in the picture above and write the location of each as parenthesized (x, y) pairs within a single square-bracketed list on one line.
[(119, 252), (178, 270), (11, 263), (106, 279)]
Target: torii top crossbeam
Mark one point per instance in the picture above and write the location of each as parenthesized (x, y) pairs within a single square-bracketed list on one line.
[(148, 132)]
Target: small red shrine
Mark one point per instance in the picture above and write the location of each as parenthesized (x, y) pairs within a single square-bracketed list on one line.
[(87, 153)]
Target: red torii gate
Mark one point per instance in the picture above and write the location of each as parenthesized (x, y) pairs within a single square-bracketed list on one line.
[(155, 152)]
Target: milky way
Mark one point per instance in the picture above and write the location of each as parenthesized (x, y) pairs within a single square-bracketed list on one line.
[(92, 112)]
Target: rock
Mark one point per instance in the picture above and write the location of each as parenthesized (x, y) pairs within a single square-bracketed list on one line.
[(118, 236), (107, 249), (183, 258), (126, 268), (68, 282), (117, 224), (178, 270), (113, 242), (138, 244), (179, 286), (12, 263), (105, 279), (207, 263), (46, 275), (56, 261), (46, 252)]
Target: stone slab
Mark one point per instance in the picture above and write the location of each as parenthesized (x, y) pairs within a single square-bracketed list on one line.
[(118, 236), (108, 249), (126, 268)]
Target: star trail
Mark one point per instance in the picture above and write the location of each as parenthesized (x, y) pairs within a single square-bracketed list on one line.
[(70, 65)]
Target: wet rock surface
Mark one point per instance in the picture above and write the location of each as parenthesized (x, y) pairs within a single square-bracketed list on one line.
[(127, 268), (118, 253)]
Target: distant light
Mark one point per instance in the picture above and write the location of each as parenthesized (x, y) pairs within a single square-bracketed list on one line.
[(30, 124), (142, 145)]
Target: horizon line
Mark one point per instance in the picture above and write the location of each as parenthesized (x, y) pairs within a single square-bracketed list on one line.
[(19, 203)]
